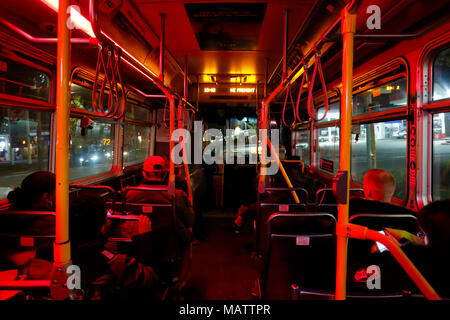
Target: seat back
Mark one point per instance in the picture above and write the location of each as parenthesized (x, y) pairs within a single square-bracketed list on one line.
[(325, 201), (284, 203), (164, 239), (26, 229), (31, 224), (299, 245), (106, 192), (130, 181), (378, 221)]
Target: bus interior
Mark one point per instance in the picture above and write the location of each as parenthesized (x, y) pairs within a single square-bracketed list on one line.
[(320, 91)]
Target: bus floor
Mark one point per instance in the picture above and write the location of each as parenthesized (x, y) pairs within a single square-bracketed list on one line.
[(222, 265)]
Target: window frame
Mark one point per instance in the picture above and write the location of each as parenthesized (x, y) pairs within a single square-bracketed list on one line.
[(141, 102), (308, 129), (28, 103), (426, 109), (16, 102), (118, 142)]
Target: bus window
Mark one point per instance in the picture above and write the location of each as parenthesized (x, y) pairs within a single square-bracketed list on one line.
[(332, 114), (81, 98), (244, 131), (300, 144), (136, 144), (441, 156), (24, 145), (441, 75), (135, 112), (328, 149), (387, 96), (136, 134), (380, 145), (93, 153), (22, 81)]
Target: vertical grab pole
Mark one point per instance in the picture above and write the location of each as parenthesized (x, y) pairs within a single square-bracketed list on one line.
[(62, 244), (285, 42), (348, 31), (161, 47), (171, 144), (180, 126)]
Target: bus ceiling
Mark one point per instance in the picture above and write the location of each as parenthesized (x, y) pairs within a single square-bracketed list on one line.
[(232, 52)]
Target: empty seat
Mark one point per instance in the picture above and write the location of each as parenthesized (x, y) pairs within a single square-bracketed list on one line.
[(283, 201), (301, 248)]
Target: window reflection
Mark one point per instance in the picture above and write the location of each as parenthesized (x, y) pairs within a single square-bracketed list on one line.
[(328, 149), (22, 81), (93, 153), (301, 147), (136, 144), (441, 75), (441, 156), (24, 145), (332, 114), (380, 145), (388, 96)]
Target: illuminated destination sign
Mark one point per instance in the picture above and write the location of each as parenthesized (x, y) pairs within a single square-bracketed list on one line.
[(231, 90), (242, 90)]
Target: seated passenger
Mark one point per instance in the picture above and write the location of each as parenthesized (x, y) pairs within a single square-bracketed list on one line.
[(155, 171), (379, 187), (37, 192), (431, 259), (105, 274)]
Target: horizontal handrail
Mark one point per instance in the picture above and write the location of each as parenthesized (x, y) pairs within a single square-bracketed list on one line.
[(24, 284), (363, 233)]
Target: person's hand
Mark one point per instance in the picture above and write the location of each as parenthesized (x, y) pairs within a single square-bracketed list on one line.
[(242, 210), (144, 225), (402, 234)]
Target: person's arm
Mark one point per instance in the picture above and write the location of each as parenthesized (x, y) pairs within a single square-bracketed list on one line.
[(184, 210), (402, 234)]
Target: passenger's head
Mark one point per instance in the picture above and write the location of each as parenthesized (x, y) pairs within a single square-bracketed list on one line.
[(155, 168), (87, 218), (37, 191), (379, 185), (434, 220)]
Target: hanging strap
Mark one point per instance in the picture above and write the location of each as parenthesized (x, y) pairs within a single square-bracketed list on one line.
[(317, 66), (110, 69), (288, 93), (305, 77)]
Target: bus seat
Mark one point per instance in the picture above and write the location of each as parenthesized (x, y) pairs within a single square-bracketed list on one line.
[(360, 205), (284, 203), (299, 245), (25, 229), (106, 192), (130, 181), (35, 224), (377, 221), (325, 201)]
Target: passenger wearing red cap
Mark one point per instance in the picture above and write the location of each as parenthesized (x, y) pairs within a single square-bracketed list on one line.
[(155, 172)]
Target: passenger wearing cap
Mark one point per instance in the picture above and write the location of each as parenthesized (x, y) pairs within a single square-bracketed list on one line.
[(155, 172)]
